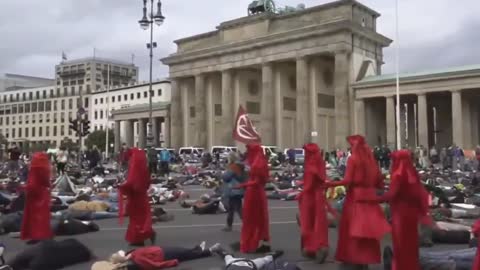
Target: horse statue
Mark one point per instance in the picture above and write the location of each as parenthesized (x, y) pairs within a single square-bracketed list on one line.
[(261, 6)]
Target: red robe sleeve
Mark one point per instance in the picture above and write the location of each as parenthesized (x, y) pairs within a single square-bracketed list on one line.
[(392, 192)]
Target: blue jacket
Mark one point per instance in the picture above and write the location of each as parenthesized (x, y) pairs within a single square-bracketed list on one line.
[(231, 180), (165, 156)]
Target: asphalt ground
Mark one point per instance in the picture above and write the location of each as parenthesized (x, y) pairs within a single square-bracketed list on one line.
[(188, 230)]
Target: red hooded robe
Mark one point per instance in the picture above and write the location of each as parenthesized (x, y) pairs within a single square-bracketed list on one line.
[(138, 206), (476, 232), (312, 202), (409, 205), (362, 224), (255, 225), (36, 215)]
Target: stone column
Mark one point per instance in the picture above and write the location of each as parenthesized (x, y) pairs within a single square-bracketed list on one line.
[(267, 124), (278, 110), (390, 119), (210, 121), (228, 111), (457, 118), (302, 101), (422, 120), (360, 125), (312, 107), (412, 129), (185, 113), (142, 139), (156, 131), (200, 111), (167, 132), (129, 133), (467, 126), (175, 110), (117, 139), (342, 112)]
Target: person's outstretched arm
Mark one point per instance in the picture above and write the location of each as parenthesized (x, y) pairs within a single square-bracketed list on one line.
[(348, 178)]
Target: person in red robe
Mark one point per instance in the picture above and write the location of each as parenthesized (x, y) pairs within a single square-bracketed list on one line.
[(409, 206), (476, 233), (138, 206), (362, 224), (313, 205), (255, 233), (36, 214)]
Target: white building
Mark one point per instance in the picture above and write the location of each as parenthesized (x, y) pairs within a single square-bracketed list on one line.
[(124, 98), (39, 116)]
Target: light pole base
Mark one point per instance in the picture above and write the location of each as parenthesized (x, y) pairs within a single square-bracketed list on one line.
[(149, 135)]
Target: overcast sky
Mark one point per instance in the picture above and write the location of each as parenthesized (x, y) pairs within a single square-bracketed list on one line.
[(33, 34)]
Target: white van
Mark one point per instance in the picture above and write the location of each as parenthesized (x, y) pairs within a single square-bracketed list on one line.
[(269, 150), (223, 149), (189, 150)]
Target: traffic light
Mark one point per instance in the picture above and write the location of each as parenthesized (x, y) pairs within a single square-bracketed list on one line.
[(73, 125), (85, 127)]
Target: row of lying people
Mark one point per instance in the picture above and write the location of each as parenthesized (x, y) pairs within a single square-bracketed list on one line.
[(53, 255)]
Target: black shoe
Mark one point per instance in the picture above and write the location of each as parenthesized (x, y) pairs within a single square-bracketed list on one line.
[(387, 258), (321, 255), (276, 254), (153, 238), (235, 246), (263, 249)]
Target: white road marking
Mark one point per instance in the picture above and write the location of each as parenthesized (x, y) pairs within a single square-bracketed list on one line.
[(270, 208), (195, 226)]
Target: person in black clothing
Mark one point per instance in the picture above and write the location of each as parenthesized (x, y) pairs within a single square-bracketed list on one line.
[(93, 157), (14, 156)]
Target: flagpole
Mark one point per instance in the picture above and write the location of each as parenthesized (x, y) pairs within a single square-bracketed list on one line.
[(397, 67)]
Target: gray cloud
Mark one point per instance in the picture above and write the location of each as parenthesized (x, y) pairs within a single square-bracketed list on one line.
[(433, 34)]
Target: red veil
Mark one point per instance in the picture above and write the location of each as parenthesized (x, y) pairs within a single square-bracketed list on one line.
[(36, 216)]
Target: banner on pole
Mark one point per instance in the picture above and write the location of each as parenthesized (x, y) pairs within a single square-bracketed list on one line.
[(244, 131)]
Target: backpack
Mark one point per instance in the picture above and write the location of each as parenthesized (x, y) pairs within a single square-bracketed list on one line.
[(281, 264)]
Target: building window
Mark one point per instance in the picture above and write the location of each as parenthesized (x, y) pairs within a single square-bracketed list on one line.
[(96, 115), (30, 95), (26, 132), (289, 104), (159, 92), (48, 106), (24, 96), (88, 88), (153, 93), (101, 114), (192, 111), (34, 107), (125, 97), (20, 120), (33, 118), (37, 95), (47, 117), (96, 101), (41, 106), (27, 108), (27, 118), (326, 101), (86, 103), (218, 109), (101, 100), (145, 94), (113, 99), (62, 117), (119, 98), (138, 95), (55, 103), (253, 107), (62, 106), (13, 133), (54, 131), (54, 117), (51, 93), (58, 92), (33, 132), (47, 131), (40, 133), (40, 118), (70, 104), (62, 131), (7, 120), (65, 91), (132, 96), (20, 108)]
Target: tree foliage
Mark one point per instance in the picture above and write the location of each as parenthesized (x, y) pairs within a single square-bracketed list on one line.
[(69, 144), (98, 138)]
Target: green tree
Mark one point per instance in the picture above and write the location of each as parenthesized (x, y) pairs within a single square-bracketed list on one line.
[(98, 138), (69, 144)]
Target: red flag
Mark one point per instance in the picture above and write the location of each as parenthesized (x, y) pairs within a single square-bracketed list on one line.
[(244, 131)]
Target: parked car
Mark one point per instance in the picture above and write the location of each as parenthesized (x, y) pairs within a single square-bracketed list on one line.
[(191, 150), (299, 155)]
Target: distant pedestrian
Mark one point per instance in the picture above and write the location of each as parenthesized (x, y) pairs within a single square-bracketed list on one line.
[(14, 157), (123, 157), (152, 160), (62, 159), (165, 159), (233, 177)]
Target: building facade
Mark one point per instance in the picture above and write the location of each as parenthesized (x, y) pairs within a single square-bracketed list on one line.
[(40, 116), (292, 72), (129, 108), (438, 108), (17, 81)]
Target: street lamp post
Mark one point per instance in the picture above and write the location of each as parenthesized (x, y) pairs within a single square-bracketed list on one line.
[(145, 24)]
